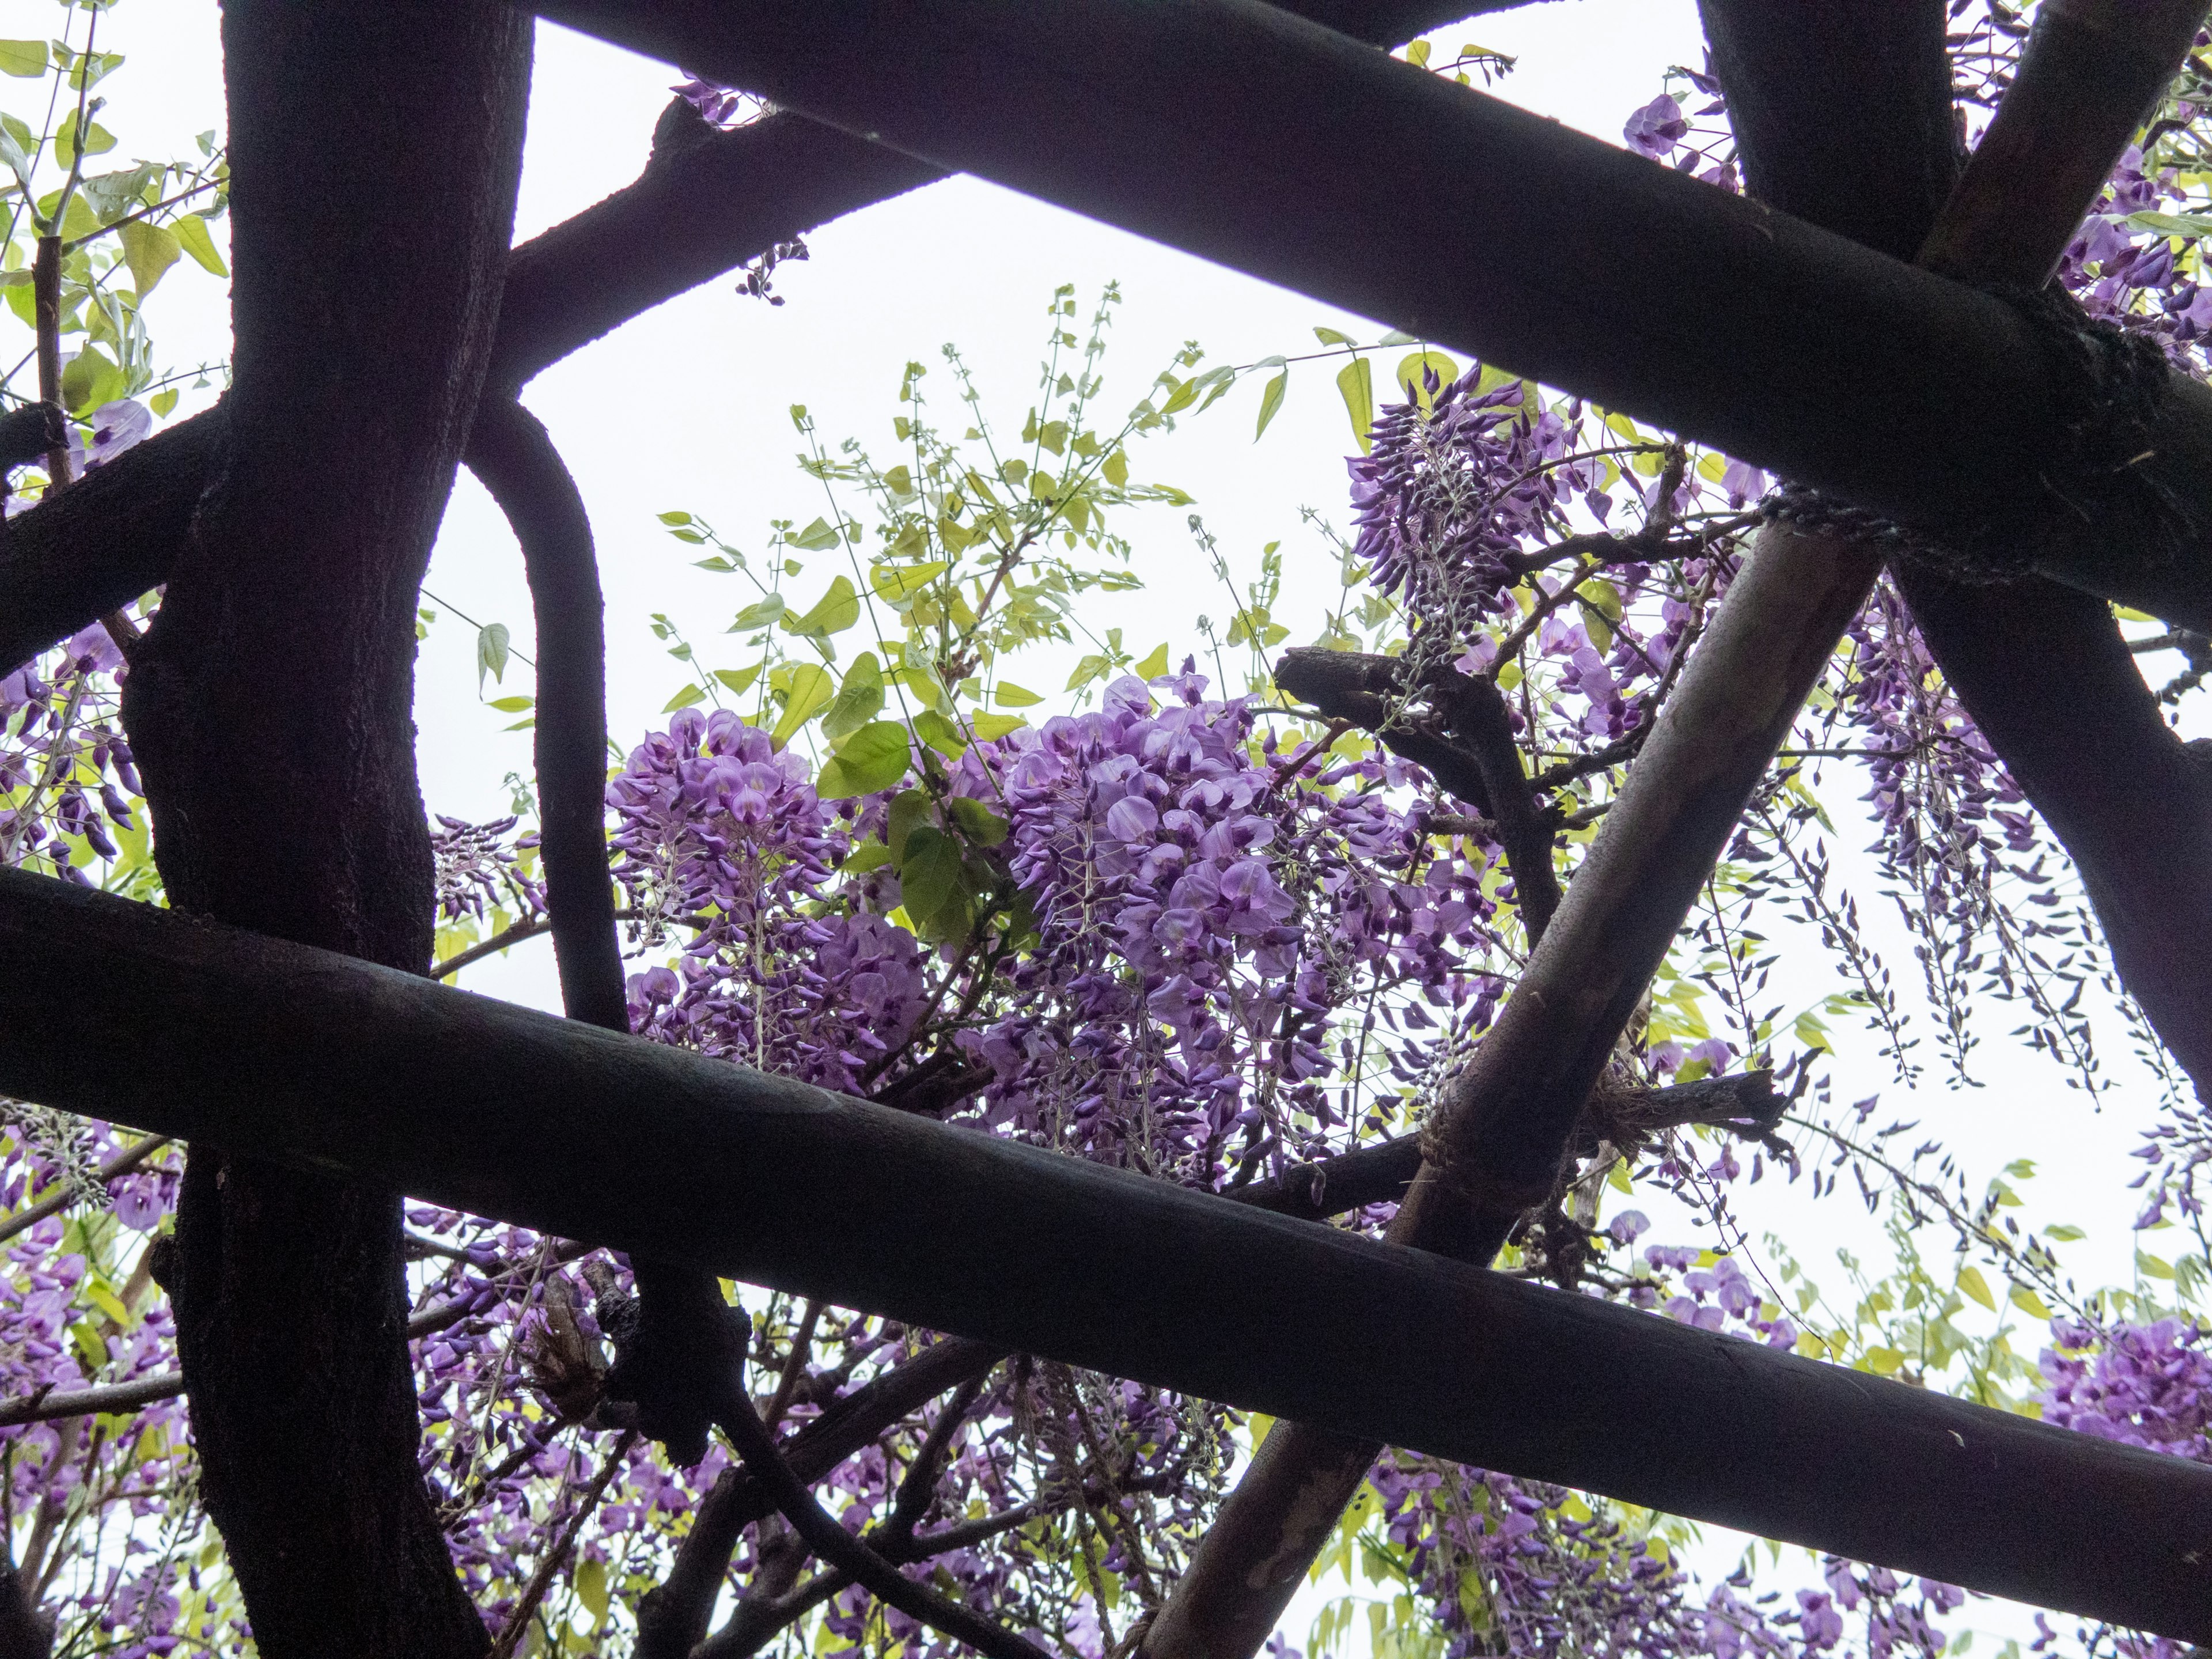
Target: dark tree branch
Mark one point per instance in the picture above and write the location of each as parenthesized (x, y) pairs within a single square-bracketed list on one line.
[(1370, 691), (46, 1405), (28, 432), (674, 1615), (1475, 712), (105, 541), (680, 1309), (850, 1555), (228, 1038), (706, 204), (2092, 69), (26, 1632), (1380, 1174), (910, 1505), (1879, 182), (511, 453), (1475, 757), (935, 1086), (1910, 395), (288, 801)]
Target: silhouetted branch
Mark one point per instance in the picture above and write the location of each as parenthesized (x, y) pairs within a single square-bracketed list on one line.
[(673, 1617), (1382, 1173), (230, 1038), (1369, 692), (707, 202), (850, 1556), (510, 451)]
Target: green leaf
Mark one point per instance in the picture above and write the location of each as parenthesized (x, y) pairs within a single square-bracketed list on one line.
[(1154, 666), (837, 610), (940, 734), (1116, 469), (162, 401), (690, 694), (2063, 1233), (976, 821), (737, 680), (761, 613), (873, 758), (1330, 337), (1356, 380), (1091, 668), (677, 517), (591, 1582), (22, 59), (149, 251), (1007, 694), (1271, 400), (491, 654), (988, 726), (929, 873), (807, 688), (857, 702), (1884, 1362), (1184, 394), (817, 537), (18, 160), (89, 379), (896, 582), (2172, 224), (908, 808), (98, 140), (868, 855), (191, 233), (513, 705), (1215, 383), (1972, 1282), (2029, 1303)]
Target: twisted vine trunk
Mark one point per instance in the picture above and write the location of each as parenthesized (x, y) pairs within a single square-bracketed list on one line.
[(375, 147)]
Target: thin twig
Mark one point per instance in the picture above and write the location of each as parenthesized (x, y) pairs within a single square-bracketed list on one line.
[(542, 1580), (121, 1163), (840, 1549)]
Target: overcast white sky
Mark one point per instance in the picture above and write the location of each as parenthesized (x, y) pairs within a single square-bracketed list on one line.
[(687, 408)]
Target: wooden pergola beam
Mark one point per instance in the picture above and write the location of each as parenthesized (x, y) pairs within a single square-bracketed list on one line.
[(1219, 127), (145, 1017)]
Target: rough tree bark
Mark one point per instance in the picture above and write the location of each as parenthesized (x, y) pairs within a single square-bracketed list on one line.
[(270, 710)]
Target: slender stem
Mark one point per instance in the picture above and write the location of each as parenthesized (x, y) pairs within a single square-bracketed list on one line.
[(542, 1580), (795, 1363), (840, 1549), (121, 1163), (142, 213)]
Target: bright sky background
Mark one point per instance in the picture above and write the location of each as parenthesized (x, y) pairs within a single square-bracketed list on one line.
[(687, 408)]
